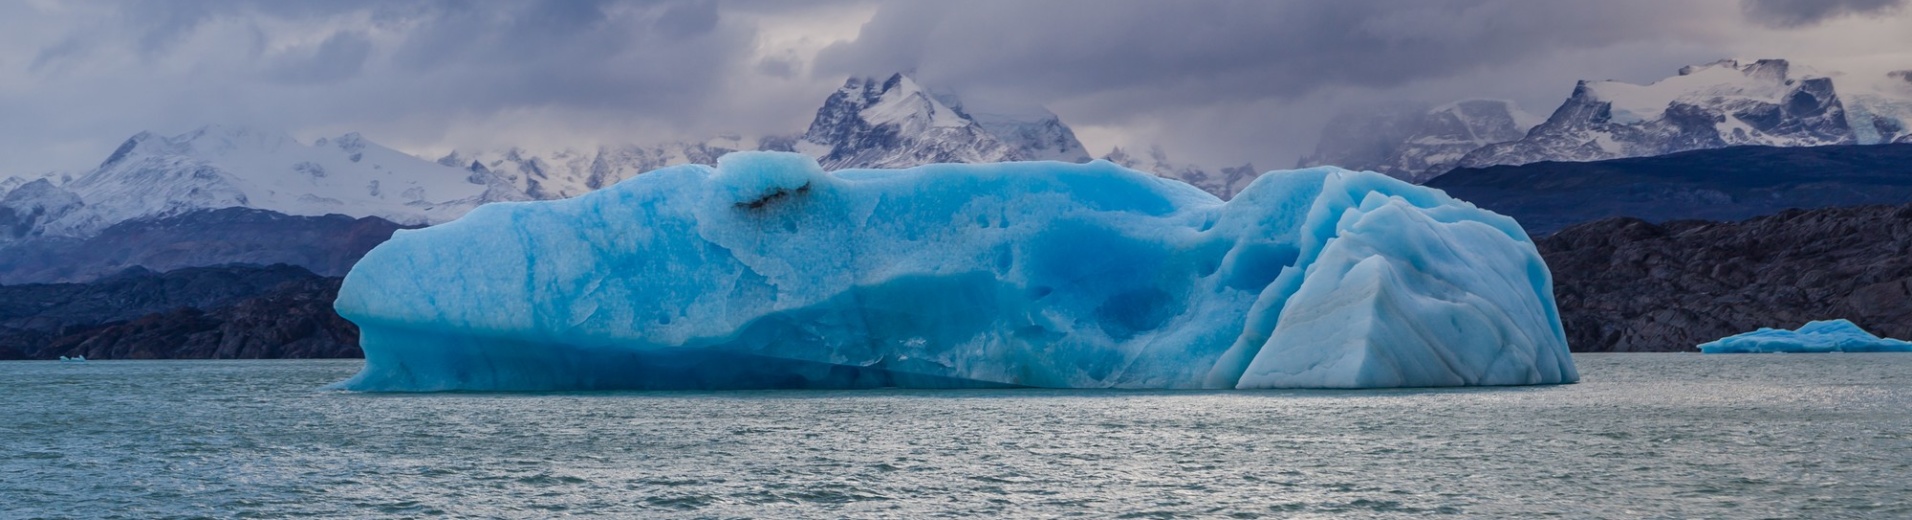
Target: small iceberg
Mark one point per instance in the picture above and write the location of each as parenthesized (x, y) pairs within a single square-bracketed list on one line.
[(1818, 336), (75, 359)]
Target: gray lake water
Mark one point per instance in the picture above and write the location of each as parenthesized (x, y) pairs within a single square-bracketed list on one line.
[(1646, 435)]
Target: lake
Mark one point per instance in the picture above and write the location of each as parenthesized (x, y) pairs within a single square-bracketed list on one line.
[(1644, 435)]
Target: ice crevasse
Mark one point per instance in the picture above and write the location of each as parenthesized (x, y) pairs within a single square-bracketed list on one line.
[(767, 272)]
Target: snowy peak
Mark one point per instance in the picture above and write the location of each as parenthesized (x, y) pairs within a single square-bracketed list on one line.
[(571, 172), (1415, 142), (1879, 106), (1725, 103), (1035, 137), (151, 176), (1226, 185), (1721, 83), (900, 101), (1769, 102), (895, 123), (25, 208), (1035, 133)]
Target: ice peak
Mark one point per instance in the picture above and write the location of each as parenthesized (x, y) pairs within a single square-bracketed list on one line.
[(1727, 63)]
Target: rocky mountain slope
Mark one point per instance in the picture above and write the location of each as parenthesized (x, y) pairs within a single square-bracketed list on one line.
[(1413, 142), (201, 313), (1626, 285), (1723, 184)]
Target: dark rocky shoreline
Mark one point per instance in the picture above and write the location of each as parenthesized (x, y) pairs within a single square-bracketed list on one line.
[(226, 312), (1626, 285)]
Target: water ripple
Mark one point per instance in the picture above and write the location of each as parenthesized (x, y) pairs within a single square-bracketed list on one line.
[(1644, 436)]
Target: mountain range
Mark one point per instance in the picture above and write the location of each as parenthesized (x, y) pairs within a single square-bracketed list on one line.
[(1726, 103), (1414, 142), (155, 182), (52, 227)]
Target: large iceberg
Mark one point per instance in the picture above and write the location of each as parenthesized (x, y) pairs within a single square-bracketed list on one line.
[(767, 272), (1818, 336)]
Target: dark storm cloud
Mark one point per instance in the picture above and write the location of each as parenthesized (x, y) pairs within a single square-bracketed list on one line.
[(339, 57), (1231, 50), (638, 57), (1233, 75), (1218, 81), (402, 66), (1800, 13)]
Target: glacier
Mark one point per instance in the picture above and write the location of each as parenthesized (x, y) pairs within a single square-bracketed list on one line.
[(1820, 336), (768, 272)]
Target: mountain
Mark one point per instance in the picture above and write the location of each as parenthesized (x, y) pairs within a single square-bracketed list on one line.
[(327, 245), (1722, 184), (25, 211), (891, 123), (895, 123), (1718, 105), (1765, 103), (152, 176), (8, 184), (1033, 132), (1413, 142), (567, 173), (1035, 136), (1630, 285), (1879, 106), (1230, 181)]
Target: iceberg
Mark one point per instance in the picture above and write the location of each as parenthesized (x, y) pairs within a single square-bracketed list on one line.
[(767, 272), (1819, 336)]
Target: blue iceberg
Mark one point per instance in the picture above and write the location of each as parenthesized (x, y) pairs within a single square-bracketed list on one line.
[(767, 272), (1818, 336)]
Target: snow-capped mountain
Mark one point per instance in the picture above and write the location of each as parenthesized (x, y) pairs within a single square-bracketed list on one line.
[(571, 172), (896, 123), (7, 184), (1878, 106), (1035, 133), (1413, 142), (154, 176), (27, 207), (1225, 185), (1034, 136), (1767, 102)]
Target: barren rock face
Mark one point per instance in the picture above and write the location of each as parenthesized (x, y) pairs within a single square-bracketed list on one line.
[(228, 312), (1625, 285)]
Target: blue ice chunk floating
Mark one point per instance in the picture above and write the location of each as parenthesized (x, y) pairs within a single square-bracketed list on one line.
[(1818, 336), (767, 272)]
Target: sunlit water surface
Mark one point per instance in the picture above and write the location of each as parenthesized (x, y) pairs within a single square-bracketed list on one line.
[(1655, 435)]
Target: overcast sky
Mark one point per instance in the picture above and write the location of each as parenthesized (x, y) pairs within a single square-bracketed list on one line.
[(1216, 83)]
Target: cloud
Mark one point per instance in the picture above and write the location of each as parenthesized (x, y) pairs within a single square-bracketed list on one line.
[(1802, 13), (339, 57), (1214, 81), (422, 74), (1232, 81)]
